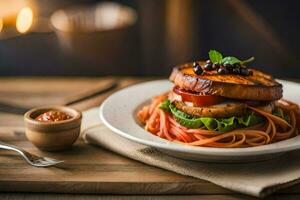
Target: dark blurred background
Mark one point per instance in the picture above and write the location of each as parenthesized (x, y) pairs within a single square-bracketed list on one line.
[(159, 35)]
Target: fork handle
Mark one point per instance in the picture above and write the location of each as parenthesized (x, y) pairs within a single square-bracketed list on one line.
[(6, 146)]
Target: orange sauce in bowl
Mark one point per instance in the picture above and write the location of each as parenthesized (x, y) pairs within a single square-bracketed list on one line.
[(53, 116)]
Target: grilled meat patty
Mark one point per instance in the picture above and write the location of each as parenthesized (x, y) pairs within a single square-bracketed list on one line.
[(226, 109), (223, 110), (259, 86)]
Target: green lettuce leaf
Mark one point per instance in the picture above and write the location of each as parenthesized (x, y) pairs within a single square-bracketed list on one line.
[(279, 113), (185, 119), (165, 105), (216, 124)]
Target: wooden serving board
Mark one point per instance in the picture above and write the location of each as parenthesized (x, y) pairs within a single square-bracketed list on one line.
[(89, 169)]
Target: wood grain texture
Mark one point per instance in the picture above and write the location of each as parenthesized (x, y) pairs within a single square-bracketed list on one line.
[(23, 196), (87, 169)]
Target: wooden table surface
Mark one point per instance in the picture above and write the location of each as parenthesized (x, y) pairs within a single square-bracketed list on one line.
[(88, 171)]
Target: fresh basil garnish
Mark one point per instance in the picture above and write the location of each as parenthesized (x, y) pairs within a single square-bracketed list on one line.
[(230, 60), (248, 60), (217, 58)]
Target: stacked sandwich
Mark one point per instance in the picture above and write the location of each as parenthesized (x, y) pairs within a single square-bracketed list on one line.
[(221, 103)]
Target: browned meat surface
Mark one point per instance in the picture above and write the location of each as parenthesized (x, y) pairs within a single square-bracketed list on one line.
[(259, 86), (226, 109), (223, 110)]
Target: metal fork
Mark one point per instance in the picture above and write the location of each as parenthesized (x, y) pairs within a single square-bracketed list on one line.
[(31, 158)]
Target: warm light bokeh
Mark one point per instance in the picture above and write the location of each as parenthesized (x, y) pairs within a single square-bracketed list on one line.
[(1, 24), (24, 19)]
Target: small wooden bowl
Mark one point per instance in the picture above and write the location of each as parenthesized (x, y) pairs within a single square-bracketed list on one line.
[(52, 136)]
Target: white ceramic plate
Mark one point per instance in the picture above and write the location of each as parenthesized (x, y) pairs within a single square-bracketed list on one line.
[(118, 113)]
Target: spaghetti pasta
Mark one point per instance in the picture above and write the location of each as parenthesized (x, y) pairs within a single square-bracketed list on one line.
[(164, 125)]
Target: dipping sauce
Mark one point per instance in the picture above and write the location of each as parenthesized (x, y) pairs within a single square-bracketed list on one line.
[(53, 116)]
